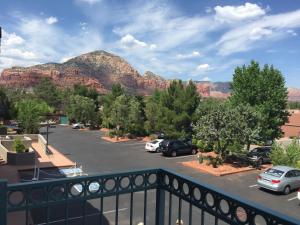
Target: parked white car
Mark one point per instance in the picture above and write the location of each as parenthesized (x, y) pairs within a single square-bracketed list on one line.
[(152, 146), (298, 195), (77, 126)]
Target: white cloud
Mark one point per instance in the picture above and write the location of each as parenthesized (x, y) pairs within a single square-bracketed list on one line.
[(51, 20), (258, 33), (35, 41), (292, 32), (90, 2), (157, 22), (203, 67), (12, 39), (206, 79), (231, 14), (194, 54), (130, 42), (262, 31)]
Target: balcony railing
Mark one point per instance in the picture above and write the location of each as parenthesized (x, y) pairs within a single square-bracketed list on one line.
[(154, 196)]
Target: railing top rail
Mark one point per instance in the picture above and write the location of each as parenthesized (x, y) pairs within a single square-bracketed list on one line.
[(160, 177), (79, 178), (220, 194)]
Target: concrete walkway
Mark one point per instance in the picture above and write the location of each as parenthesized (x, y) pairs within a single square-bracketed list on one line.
[(56, 159)]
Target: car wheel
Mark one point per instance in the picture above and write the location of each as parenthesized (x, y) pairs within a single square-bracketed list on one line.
[(194, 151), (287, 190), (173, 154)]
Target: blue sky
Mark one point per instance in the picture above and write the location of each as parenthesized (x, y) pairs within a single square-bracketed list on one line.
[(198, 40)]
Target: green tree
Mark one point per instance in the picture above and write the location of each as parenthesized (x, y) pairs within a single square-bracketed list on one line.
[(45, 90), (173, 109), (222, 125), (5, 105), (135, 117), (119, 114), (107, 102), (286, 155), (30, 112), (82, 109), (264, 90), (152, 112)]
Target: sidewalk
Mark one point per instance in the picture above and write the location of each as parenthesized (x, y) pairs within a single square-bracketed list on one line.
[(57, 159)]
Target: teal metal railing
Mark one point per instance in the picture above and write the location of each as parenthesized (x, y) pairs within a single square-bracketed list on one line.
[(154, 196)]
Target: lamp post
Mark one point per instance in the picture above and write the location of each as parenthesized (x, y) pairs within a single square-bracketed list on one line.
[(48, 152)]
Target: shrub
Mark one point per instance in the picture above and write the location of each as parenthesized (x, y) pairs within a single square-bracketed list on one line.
[(287, 156), (153, 136), (236, 147), (18, 146), (111, 133), (204, 147), (200, 158), (214, 161)]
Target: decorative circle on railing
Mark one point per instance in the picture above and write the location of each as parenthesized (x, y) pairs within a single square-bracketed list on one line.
[(185, 189), (76, 189), (152, 178), (196, 194), (241, 214), (166, 180), (139, 180), (110, 184), (37, 195), (125, 183), (209, 200), (16, 198), (93, 187), (175, 184), (260, 220), (57, 192), (224, 207)]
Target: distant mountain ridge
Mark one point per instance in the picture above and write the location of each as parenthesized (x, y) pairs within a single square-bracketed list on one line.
[(100, 70)]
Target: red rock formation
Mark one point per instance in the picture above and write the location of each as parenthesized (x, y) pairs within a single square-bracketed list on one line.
[(97, 69), (294, 94)]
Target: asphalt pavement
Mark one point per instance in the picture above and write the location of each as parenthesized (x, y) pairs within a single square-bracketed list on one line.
[(98, 156)]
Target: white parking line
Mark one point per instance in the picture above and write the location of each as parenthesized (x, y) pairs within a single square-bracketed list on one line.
[(179, 157), (113, 211), (292, 198), (254, 185)]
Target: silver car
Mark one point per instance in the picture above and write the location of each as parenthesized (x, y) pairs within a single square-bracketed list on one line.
[(280, 179)]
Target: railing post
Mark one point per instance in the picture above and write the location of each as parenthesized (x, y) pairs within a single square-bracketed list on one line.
[(160, 201), (3, 202)]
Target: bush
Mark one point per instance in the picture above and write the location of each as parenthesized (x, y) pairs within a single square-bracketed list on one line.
[(18, 146), (236, 147), (286, 156), (204, 147), (214, 161), (153, 136), (200, 158), (111, 133)]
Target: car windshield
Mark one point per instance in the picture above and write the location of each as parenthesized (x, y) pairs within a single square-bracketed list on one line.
[(154, 142), (274, 172)]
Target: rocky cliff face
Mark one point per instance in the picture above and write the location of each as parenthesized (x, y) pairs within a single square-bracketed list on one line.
[(100, 70), (97, 69)]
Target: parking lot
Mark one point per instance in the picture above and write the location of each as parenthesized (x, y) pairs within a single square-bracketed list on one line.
[(99, 156)]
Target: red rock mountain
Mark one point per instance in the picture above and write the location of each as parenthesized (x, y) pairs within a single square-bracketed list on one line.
[(97, 69), (100, 69)]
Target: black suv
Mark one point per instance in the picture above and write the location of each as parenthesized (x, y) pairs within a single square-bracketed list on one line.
[(177, 147), (260, 155)]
